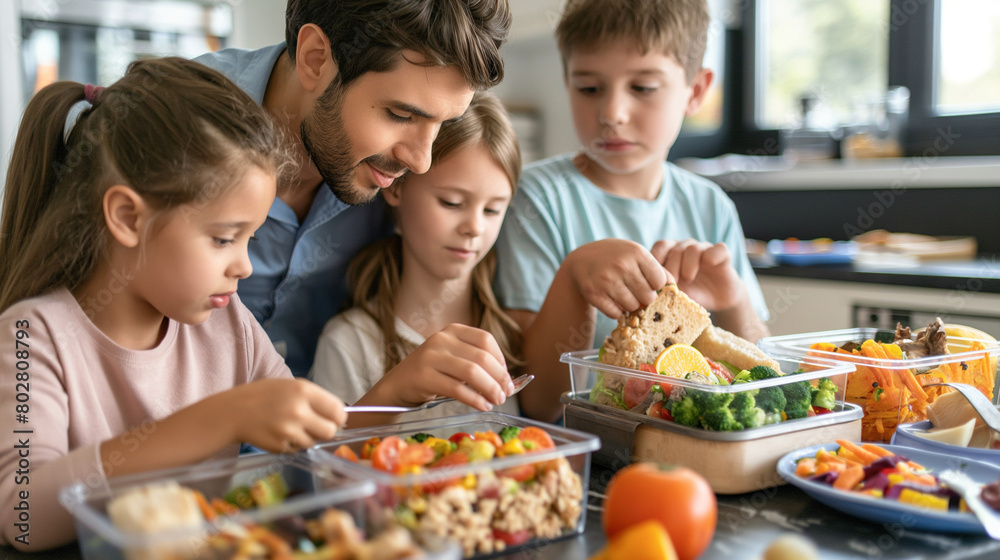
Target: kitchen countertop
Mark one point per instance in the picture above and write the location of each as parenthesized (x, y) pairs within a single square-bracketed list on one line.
[(747, 523), (981, 274)]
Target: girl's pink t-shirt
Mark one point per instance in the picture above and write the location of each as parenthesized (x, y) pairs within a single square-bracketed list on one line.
[(82, 389)]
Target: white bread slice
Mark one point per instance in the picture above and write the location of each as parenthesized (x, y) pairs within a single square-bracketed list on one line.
[(159, 508), (672, 318), (722, 345)]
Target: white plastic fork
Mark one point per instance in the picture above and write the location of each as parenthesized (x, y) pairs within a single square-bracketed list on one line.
[(519, 383), (970, 491), (983, 406)]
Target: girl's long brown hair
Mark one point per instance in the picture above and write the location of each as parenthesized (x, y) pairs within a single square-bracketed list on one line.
[(375, 273), (171, 129)]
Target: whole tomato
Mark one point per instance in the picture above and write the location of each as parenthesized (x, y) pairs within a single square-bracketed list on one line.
[(677, 497)]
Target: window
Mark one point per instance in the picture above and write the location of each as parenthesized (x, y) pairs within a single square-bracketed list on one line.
[(844, 55), (708, 119), (967, 82), (833, 53)]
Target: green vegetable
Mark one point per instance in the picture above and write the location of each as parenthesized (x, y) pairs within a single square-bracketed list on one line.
[(733, 370), (720, 419), (685, 412), (706, 400), (406, 517), (509, 432), (825, 394), (886, 337), (269, 490), (798, 399), (657, 392), (878, 393), (239, 496), (758, 373), (419, 438), (745, 410), (600, 395), (771, 400)]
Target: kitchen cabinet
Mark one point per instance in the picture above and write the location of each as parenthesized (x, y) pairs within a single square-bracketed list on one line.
[(816, 304)]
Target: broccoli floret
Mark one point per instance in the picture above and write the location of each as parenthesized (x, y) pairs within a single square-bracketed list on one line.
[(419, 437), (798, 399), (685, 412), (509, 432), (771, 400), (720, 419), (758, 373), (745, 410), (824, 395), (707, 400)]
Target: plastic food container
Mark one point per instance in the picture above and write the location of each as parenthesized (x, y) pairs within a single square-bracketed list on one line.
[(887, 388), (733, 462), (313, 488), (478, 504)]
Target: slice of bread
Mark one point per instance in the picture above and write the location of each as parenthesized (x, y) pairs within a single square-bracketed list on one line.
[(724, 346), (162, 507), (673, 318)]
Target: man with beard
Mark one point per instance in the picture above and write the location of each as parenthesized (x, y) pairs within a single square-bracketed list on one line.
[(361, 88)]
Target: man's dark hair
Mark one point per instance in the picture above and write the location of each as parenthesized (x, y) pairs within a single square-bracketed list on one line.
[(368, 35)]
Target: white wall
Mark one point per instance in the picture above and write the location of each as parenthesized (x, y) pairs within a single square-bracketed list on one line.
[(10, 73), (258, 23), (533, 77)]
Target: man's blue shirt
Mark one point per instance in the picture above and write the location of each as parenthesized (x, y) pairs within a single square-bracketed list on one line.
[(299, 269)]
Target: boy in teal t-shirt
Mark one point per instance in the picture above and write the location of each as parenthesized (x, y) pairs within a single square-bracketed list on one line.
[(594, 234)]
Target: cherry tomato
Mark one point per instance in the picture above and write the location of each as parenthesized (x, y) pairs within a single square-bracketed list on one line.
[(677, 497), (635, 391), (449, 460), (346, 453), (457, 437), (538, 438), (520, 473), (385, 457), (414, 455), (369, 447), (658, 411), (648, 368), (512, 538), (820, 410)]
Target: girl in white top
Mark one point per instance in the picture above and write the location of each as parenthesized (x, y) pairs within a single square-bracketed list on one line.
[(438, 270), (126, 219)]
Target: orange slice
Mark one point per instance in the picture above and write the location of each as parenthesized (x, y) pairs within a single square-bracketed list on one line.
[(677, 360)]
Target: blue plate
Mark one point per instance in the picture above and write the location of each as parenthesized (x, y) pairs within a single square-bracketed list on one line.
[(807, 253), (891, 511)]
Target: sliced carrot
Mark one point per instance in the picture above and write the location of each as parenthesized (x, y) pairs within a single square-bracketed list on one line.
[(867, 457), (880, 451), (850, 478), (829, 466), (906, 376), (805, 467), (206, 510)]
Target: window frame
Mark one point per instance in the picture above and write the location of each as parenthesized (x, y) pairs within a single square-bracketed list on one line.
[(912, 30)]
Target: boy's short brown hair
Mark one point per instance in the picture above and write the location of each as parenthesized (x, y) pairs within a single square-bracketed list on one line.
[(673, 27)]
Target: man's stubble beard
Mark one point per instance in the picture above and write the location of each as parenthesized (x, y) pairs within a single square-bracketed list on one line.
[(329, 148)]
